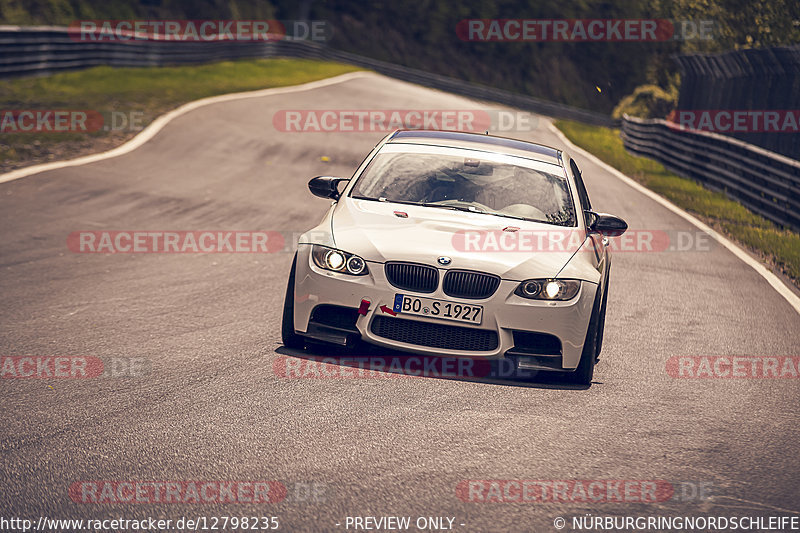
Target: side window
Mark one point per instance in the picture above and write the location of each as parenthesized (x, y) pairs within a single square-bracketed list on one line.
[(584, 197)]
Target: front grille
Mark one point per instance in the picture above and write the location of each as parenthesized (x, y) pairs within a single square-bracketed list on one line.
[(412, 277), (468, 284), (435, 335)]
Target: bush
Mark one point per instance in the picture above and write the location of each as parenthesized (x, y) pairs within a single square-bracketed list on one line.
[(647, 101)]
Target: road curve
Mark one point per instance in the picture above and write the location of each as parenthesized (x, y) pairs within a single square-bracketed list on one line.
[(211, 407)]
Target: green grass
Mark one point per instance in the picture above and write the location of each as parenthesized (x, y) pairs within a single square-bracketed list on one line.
[(149, 91), (781, 247)]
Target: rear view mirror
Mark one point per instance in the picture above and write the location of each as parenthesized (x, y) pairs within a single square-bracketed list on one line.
[(326, 186), (608, 225)]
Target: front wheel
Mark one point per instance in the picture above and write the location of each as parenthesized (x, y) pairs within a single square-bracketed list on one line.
[(602, 324), (290, 338), (585, 372)]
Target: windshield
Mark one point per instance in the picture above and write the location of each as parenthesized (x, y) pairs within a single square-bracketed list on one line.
[(469, 180)]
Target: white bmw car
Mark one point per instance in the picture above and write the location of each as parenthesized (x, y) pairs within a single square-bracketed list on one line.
[(459, 245)]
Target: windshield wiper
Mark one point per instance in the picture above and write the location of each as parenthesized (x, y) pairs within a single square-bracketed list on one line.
[(495, 213), (523, 218), (473, 209), (384, 199), (468, 209)]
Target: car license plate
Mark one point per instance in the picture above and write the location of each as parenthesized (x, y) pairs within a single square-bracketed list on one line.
[(412, 305)]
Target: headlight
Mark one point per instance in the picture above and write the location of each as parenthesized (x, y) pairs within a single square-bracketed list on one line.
[(338, 261), (549, 289)]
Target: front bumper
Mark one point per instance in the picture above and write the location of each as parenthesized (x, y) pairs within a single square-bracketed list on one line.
[(504, 313)]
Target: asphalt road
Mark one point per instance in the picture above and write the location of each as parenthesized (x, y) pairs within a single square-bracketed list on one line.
[(209, 405)]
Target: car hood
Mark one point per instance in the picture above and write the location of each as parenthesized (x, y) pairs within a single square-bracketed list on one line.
[(372, 230)]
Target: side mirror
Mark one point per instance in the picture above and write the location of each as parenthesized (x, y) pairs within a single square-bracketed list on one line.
[(608, 225), (326, 186)]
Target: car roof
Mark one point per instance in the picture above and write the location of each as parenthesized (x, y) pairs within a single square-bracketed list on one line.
[(478, 141)]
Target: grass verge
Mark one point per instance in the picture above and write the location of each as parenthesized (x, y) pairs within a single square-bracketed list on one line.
[(777, 246), (137, 95)]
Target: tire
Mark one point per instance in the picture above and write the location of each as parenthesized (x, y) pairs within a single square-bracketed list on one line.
[(290, 338), (585, 372), (602, 323)]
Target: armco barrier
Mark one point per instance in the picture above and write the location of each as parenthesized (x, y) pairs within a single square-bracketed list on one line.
[(765, 182)]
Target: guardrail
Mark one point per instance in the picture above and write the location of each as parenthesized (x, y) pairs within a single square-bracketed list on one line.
[(26, 51), (765, 182), (42, 50)]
